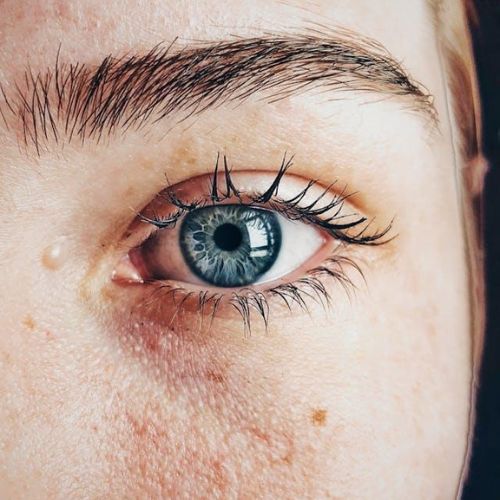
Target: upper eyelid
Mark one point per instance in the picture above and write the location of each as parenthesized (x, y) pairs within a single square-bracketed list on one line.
[(292, 208), (85, 101), (222, 190)]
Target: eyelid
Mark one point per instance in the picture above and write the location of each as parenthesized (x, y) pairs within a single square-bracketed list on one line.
[(329, 207), (293, 196)]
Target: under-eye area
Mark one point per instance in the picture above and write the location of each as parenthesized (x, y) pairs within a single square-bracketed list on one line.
[(245, 242)]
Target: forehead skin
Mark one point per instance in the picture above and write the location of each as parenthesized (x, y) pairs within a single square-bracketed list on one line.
[(380, 411)]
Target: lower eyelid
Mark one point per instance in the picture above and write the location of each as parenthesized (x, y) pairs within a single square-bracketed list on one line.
[(330, 253), (191, 311)]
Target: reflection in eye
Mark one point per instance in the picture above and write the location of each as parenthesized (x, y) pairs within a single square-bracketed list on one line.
[(231, 246), (248, 239)]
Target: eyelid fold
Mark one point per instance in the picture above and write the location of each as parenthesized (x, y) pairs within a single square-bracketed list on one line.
[(311, 203)]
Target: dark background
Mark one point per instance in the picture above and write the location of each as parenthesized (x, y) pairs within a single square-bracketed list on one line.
[(484, 480)]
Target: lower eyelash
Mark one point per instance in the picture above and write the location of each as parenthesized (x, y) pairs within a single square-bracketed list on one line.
[(248, 302)]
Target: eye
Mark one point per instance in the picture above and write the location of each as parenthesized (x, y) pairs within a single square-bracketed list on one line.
[(246, 240), (229, 246)]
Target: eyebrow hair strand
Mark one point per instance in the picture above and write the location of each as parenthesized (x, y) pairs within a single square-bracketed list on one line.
[(87, 101)]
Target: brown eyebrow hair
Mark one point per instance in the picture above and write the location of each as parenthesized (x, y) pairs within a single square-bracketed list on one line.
[(85, 101)]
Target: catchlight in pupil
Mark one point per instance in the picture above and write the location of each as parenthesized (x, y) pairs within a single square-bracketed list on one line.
[(230, 245)]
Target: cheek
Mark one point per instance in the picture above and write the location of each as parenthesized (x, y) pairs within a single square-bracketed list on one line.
[(342, 403), (294, 412), (173, 449), (45, 410)]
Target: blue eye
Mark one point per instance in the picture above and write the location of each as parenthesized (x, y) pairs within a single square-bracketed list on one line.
[(230, 245), (227, 246)]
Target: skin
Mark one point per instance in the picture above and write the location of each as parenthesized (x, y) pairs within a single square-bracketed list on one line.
[(369, 399)]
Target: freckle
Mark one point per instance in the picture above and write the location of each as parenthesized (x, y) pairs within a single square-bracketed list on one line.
[(108, 294), (29, 322), (129, 192), (318, 417), (49, 335), (146, 164), (54, 256), (215, 377), (432, 332)]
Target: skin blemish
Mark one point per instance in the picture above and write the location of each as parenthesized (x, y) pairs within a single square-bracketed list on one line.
[(279, 444), (54, 256), (108, 293), (318, 417), (216, 377), (29, 322), (49, 335), (30, 325)]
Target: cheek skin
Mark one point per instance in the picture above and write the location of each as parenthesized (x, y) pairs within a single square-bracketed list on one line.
[(366, 401), (296, 411), (213, 417), (209, 412), (192, 452)]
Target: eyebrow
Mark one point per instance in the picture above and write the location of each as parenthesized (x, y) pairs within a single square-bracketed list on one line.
[(85, 101)]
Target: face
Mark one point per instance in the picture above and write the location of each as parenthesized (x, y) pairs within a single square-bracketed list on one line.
[(232, 253)]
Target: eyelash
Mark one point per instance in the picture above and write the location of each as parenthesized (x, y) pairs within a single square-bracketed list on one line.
[(309, 287)]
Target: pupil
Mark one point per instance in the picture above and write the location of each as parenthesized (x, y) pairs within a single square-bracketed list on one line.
[(228, 237)]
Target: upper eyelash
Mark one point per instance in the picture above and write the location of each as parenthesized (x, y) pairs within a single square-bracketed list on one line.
[(290, 208)]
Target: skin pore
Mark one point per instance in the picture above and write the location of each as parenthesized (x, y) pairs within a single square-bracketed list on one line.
[(110, 389)]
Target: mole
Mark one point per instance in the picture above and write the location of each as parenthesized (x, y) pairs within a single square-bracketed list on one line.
[(318, 417), (29, 322)]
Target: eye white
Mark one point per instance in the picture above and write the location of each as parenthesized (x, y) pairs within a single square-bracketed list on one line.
[(299, 242)]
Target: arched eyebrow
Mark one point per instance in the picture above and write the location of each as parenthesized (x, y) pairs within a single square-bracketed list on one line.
[(84, 101)]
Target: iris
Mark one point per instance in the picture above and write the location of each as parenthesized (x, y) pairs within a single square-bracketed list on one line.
[(230, 245)]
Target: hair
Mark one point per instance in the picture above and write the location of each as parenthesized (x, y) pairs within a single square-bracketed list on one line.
[(455, 20)]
